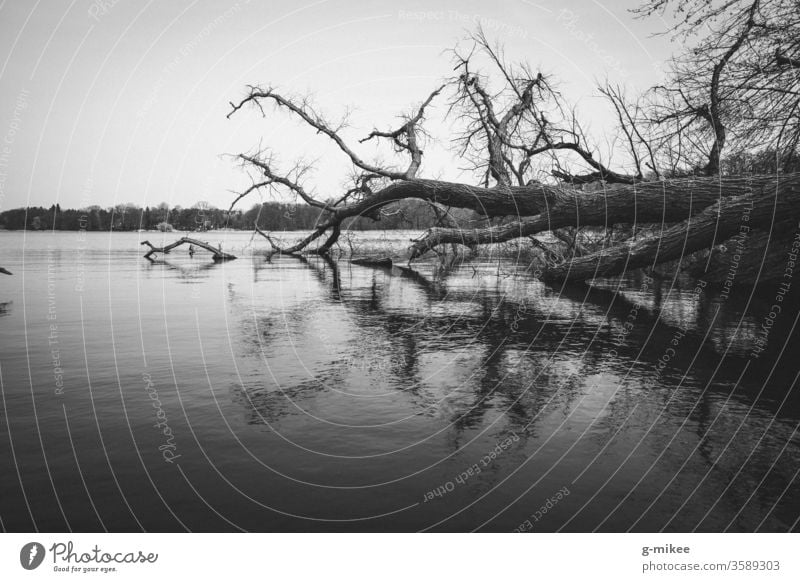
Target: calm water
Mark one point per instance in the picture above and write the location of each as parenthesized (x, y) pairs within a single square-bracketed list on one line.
[(298, 395)]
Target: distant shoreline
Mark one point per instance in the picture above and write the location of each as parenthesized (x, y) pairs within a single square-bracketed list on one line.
[(186, 232), (270, 216)]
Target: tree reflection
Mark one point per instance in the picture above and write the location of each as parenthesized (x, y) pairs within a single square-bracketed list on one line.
[(465, 350), (580, 369)]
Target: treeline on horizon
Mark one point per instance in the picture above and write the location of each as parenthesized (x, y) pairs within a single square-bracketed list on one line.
[(272, 216), (276, 216)]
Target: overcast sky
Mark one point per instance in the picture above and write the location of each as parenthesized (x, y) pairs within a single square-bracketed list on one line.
[(116, 101)]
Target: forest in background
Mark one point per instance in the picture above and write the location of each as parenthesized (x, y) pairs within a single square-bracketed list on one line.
[(270, 216)]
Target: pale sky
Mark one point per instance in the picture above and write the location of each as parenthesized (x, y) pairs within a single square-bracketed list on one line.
[(115, 101)]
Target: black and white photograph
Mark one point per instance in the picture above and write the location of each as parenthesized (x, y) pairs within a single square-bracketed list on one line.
[(347, 267)]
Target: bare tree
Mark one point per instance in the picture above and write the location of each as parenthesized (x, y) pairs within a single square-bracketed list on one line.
[(737, 87), (529, 154)]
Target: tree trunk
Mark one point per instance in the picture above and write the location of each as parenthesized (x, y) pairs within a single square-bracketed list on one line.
[(650, 202), (717, 223)]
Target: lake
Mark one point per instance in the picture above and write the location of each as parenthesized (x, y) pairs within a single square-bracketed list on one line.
[(302, 394)]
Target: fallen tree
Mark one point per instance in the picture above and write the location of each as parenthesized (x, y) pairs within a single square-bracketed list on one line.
[(638, 204), (736, 216), (672, 199), (693, 214)]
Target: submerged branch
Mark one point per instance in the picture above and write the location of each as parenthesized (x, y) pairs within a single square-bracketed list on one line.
[(218, 255)]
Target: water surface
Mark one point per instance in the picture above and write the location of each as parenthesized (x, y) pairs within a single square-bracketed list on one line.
[(309, 395)]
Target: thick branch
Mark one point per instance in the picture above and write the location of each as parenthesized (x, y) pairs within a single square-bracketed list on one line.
[(438, 236), (602, 173), (712, 112)]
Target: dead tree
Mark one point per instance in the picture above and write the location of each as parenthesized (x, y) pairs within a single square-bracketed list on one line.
[(531, 158), (736, 88)]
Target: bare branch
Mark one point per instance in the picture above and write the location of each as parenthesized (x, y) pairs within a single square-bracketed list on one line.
[(314, 120), (252, 188), (408, 131), (273, 178)]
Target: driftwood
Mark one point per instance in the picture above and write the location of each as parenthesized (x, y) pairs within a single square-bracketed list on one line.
[(2, 270), (218, 255)]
